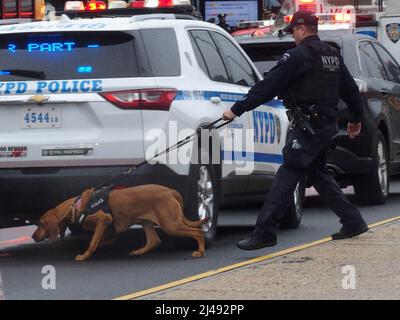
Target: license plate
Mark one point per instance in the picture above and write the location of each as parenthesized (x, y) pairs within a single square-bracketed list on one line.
[(41, 117)]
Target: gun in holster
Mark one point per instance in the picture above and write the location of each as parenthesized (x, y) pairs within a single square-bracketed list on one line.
[(298, 118)]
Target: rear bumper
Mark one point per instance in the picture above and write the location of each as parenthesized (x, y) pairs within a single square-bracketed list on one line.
[(29, 192)]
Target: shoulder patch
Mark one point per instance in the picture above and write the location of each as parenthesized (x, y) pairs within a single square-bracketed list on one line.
[(284, 58)]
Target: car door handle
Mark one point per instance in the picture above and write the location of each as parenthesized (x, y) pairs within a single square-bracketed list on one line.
[(216, 100)]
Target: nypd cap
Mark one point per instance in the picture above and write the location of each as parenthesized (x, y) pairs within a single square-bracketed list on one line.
[(302, 17)]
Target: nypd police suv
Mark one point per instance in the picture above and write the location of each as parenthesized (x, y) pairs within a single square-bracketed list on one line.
[(83, 99)]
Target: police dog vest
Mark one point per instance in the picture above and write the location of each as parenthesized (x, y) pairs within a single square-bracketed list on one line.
[(98, 201)]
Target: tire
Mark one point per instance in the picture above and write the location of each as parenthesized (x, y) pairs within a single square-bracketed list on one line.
[(292, 217), (203, 199), (373, 188)]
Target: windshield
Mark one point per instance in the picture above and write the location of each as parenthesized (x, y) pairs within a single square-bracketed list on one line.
[(68, 55)]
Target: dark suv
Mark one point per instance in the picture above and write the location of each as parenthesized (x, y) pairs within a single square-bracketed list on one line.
[(368, 161)]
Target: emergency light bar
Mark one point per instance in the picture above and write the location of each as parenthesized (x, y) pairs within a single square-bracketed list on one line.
[(334, 21), (287, 19), (117, 4), (101, 5), (329, 21), (308, 5), (96, 8), (74, 6), (96, 5)]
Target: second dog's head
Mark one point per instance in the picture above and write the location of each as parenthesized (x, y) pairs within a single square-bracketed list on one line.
[(54, 222)]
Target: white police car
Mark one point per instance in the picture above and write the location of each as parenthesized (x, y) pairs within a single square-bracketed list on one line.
[(82, 100)]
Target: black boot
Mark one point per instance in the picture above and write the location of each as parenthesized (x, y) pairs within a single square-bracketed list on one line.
[(345, 233), (256, 241)]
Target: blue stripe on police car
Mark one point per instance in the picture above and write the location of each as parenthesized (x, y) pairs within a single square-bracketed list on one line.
[(251, 156), (225, 96)]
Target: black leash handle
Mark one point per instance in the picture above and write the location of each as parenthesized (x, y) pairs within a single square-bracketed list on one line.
[(177, 145)]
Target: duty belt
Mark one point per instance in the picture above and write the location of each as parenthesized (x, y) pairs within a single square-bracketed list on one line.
[(316, 118)]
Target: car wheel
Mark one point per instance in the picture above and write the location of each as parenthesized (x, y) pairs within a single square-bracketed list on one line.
[(373, 188), (292, 217), (204, 199)]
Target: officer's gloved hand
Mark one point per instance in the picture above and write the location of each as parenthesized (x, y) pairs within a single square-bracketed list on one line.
[(353, 129), (228, 115)]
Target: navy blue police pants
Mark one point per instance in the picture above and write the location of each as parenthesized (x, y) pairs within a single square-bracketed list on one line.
[(305, 154)]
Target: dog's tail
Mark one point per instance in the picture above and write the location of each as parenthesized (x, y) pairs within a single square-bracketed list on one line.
[(189, 223), (195, 224)]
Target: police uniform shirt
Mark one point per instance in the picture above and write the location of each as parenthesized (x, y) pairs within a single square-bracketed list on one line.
[(292, 66)]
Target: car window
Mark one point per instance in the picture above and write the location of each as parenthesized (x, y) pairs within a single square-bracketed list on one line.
[(240, 70), (392, 68), (211, 57), (198, 55), (165, 62), (265, 56), (68, 55), (370, 62)]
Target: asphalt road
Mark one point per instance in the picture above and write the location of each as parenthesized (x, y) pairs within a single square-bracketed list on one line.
[(112, 272)]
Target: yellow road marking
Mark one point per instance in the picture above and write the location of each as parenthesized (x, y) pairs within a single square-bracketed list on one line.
[(237, 265), (379, 223)]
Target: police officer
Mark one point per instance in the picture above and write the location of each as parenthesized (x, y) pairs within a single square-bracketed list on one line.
[(222, 22), (313, 77)]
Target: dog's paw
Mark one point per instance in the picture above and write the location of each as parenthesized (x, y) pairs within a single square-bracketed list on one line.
[(80, 257), (198, 254), (135, 253)]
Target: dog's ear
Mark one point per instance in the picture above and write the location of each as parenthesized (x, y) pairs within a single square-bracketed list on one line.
[(63, 209), (52, 228), (62, 227), (85, 197)]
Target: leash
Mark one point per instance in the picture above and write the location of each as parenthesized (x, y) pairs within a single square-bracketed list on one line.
[(175, 146)]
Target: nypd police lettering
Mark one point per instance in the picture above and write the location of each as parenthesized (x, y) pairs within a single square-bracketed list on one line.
[(65, 86), (264, 127), (330, 62)]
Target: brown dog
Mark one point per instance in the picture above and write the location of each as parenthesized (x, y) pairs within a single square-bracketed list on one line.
[(148, 205)]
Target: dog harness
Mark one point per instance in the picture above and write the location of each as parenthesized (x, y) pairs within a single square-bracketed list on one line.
[(98, 201)]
